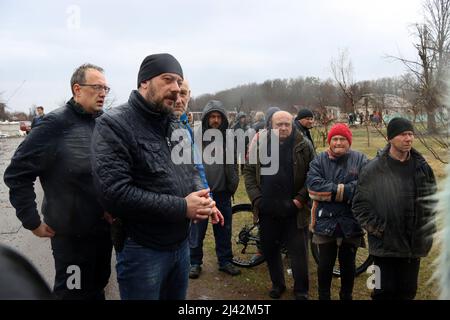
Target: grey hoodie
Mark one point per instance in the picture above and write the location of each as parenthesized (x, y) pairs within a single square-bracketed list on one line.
[(220, 177), (269, 114)]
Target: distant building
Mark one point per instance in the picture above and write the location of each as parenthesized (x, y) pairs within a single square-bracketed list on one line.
[(334, 112), (388, 104)]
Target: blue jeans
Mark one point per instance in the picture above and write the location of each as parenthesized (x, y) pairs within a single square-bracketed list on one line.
[(222, 235), (148, 274)]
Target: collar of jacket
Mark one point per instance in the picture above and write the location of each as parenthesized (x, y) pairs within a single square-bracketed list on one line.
[(184, 119), (419, 159), (185, 123), (333, 157), (146, 109), (298, 139), (300, 142), (75, 106)]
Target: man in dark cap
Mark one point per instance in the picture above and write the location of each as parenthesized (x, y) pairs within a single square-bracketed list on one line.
[(304, 122), (393, 203), (140, 185)]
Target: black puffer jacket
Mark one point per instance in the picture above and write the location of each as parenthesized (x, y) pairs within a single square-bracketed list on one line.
[(136, 177), (376, 205), (58, 152)]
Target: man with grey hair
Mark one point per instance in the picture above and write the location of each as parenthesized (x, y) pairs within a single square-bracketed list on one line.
[(280, 201), (58, 152), (260, 121)]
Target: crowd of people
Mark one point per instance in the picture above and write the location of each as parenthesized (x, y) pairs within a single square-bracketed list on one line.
[(109, 179)]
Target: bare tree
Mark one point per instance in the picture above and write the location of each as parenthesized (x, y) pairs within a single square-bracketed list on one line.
[(342, 70), (326, 94), (431, 67)]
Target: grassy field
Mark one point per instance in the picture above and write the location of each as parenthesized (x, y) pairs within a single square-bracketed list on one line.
[(254, 283)]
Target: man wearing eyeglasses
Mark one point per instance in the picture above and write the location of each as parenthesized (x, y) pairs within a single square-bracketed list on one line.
[(58, 152)]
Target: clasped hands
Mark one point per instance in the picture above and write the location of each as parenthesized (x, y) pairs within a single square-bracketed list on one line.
[(200, 206)]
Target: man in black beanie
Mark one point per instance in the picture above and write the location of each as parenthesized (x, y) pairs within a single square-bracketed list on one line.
[(304, 122), (152, 198), (393, 203)]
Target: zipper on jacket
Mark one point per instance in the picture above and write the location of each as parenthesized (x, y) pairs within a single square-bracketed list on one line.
[(169, 144), (415, 215)]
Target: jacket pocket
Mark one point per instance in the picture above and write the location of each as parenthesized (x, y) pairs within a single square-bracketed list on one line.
[(394, 240), (277, 207), (153, 157)]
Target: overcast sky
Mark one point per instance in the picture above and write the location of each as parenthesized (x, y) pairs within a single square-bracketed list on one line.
[(220, 44)]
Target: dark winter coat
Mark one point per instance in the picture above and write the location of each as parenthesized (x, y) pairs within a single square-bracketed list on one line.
[(257, 126), (302, 156), (36, 121), (377, 202), (58, 152), (135, 176), (305, 132), (331, 184), (237, 124)]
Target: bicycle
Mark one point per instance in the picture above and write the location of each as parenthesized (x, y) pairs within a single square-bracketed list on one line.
[(245, 242)]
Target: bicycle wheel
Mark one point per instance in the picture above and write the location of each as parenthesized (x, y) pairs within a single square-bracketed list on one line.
[(244, 237), (362, 260)]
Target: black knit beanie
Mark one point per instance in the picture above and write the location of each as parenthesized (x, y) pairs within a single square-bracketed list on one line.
[(304, 113), (156, 64), (397, 126)]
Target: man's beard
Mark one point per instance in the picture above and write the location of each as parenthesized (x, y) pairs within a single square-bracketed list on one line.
[(159, 106)]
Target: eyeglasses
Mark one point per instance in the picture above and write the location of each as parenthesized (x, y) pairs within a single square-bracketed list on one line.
[(97, 87)]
